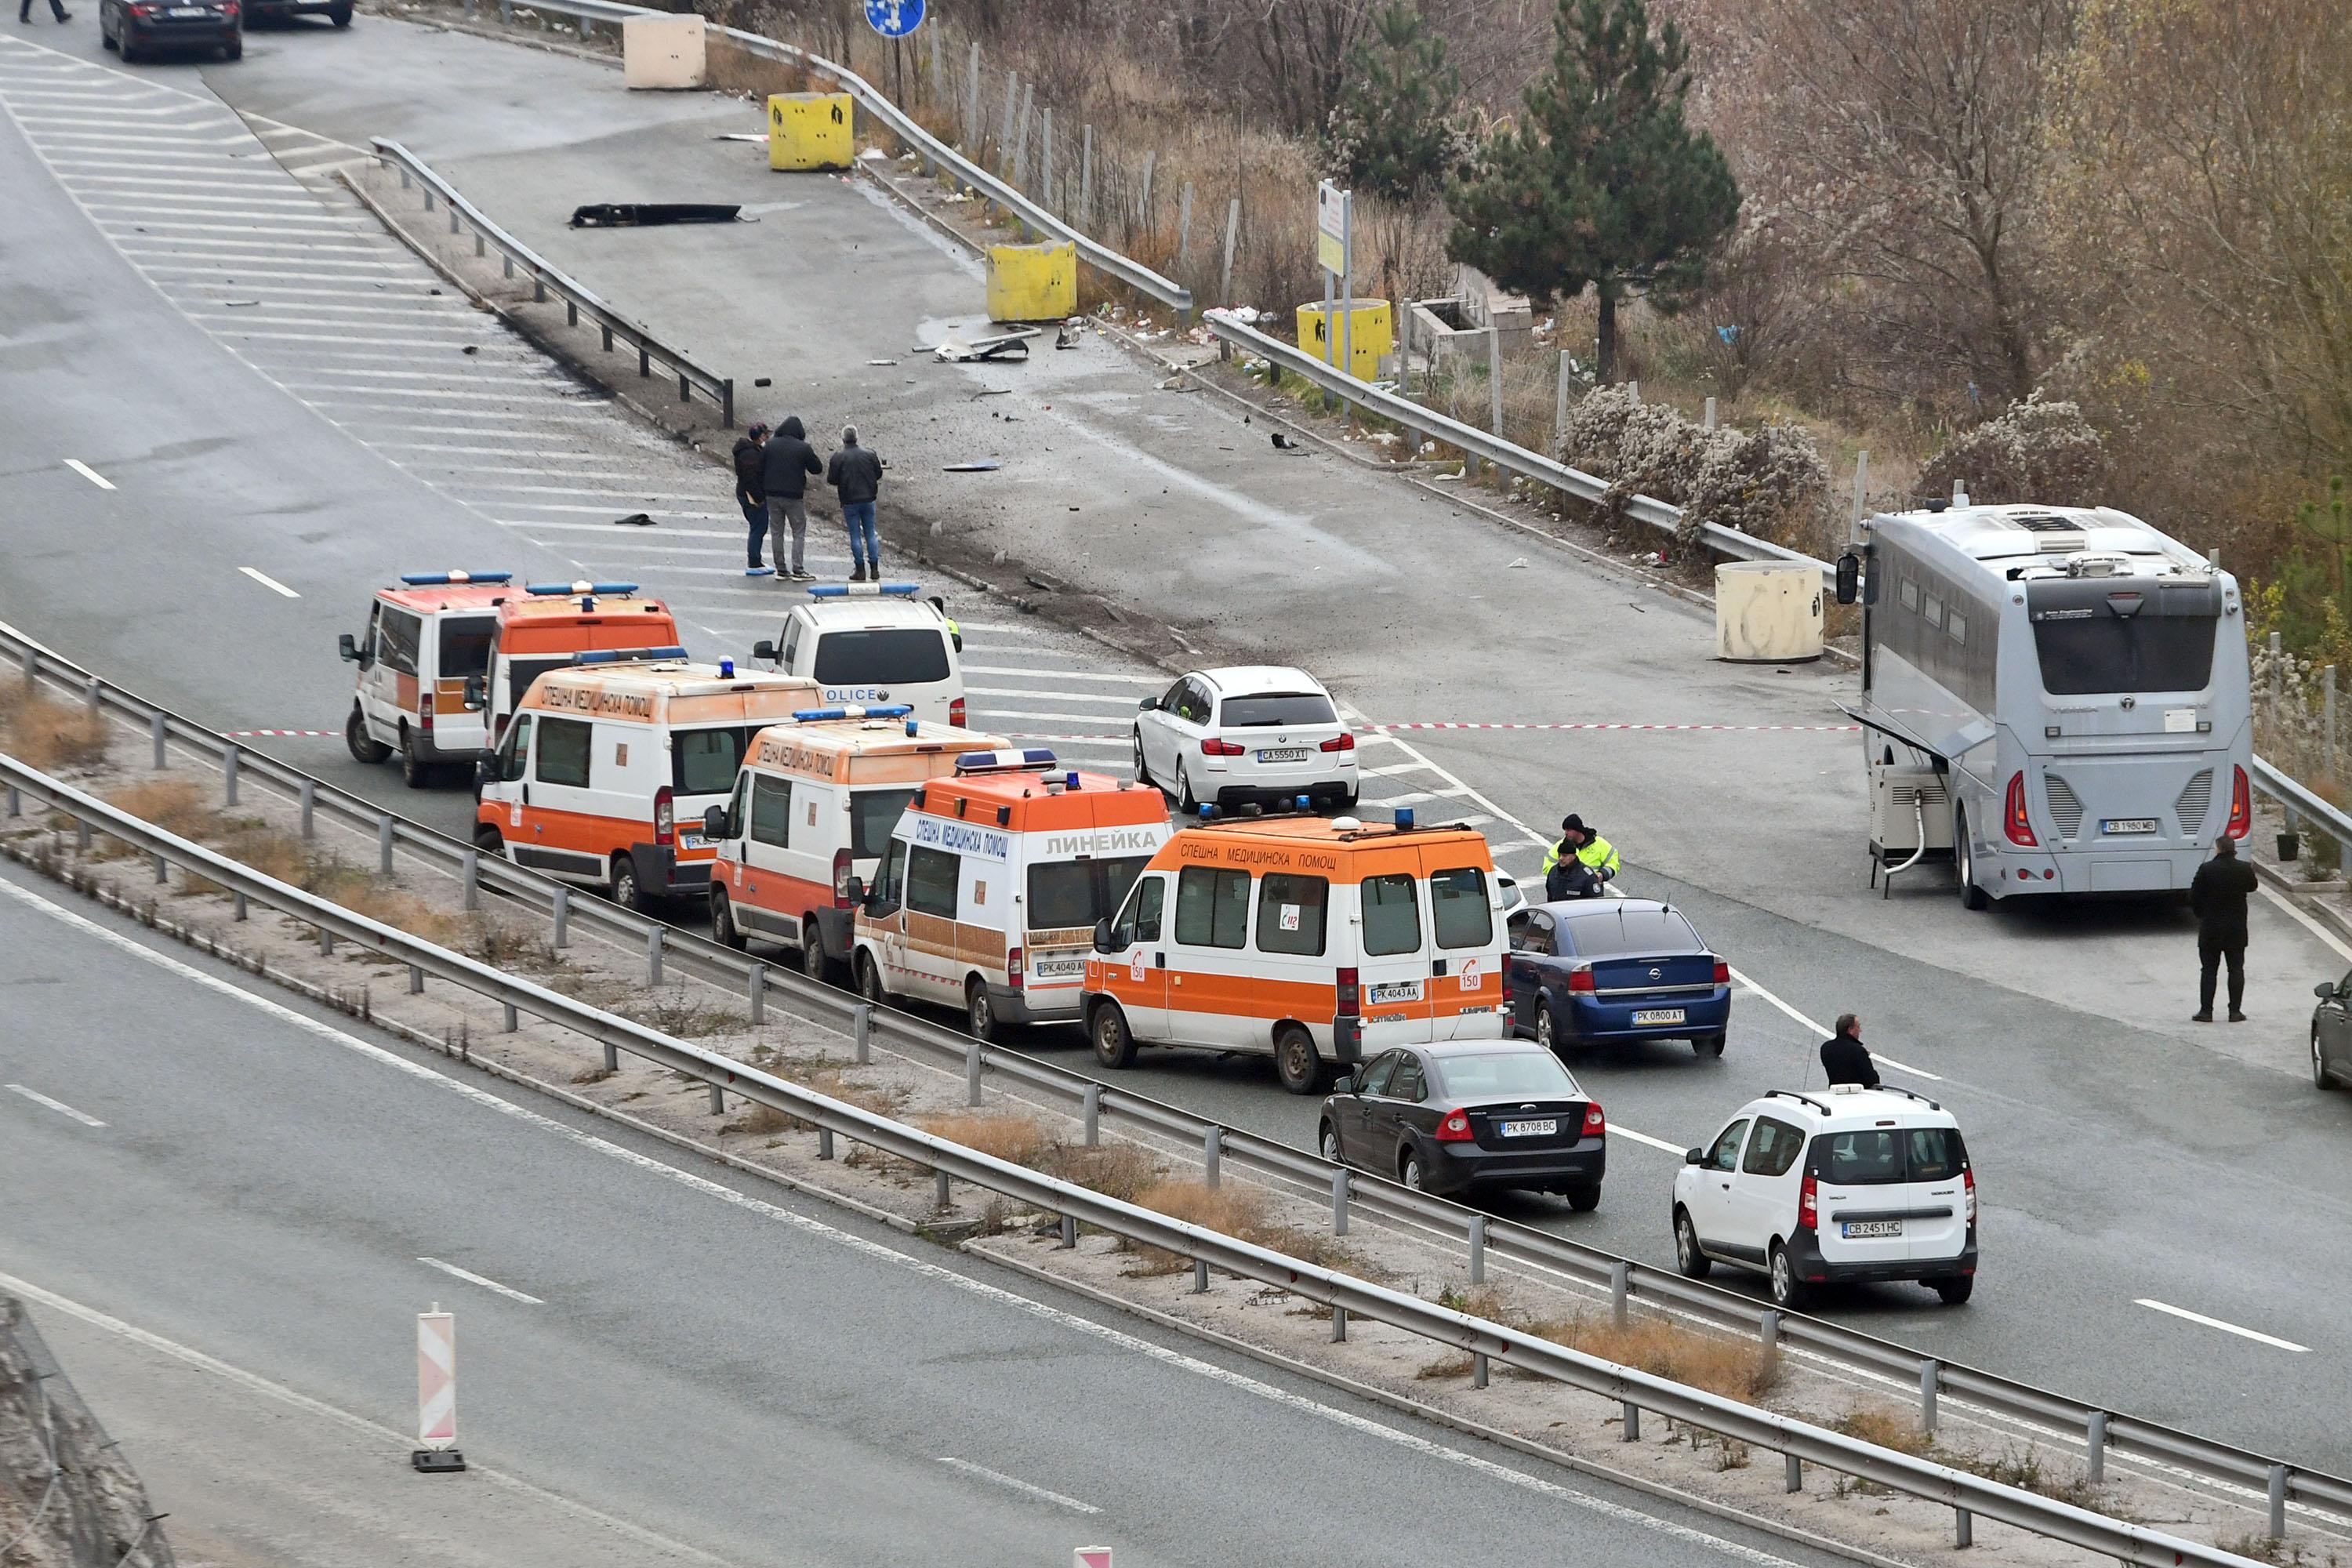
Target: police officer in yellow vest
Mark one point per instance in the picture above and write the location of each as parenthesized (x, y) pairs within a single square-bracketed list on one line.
[(955, 632), (1580, 863)]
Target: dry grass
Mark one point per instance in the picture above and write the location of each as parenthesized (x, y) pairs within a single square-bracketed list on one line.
[(2024, 1469), (1007, 1135), (1885, 1426), (1736, 1369), (1121, 1170), (676, 1012), (1242, 1213), (176, 806), (49, 735)]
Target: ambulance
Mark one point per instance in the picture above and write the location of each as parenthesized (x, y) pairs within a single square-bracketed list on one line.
[(604, 774), (1320, 942), (543, 627), (992, 883), (425, 641), (873, 644), (813, 808)]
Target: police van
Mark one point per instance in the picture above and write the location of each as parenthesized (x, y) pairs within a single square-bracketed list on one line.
[(813, 808), (546, 625), (425, 641), (993, 881), (604, 775), (874, 644)]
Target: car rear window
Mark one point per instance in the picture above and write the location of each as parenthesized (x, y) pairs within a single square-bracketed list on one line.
[(1277, 707), (1074, 894), (873, 813), (891, 657), (1505, 1075), (703, 761), (466, 646), (1609, 933), (1883, 1156)]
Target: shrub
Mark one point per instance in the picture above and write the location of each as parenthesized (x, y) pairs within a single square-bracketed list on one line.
[(1016, 1139), (1769, 482), (1738, 1369), (2036, 451)]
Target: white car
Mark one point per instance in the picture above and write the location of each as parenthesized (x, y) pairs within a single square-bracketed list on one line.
[(1830, 1186), (1258, 733)]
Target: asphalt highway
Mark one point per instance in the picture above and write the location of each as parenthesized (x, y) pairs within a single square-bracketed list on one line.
[(2125, 1157), (247, 1203)]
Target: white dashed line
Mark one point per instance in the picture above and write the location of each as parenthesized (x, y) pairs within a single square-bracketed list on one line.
[(270, 583), (969, 1468), (467, 1275), (1674, 1149), (59, 1106), (2271, 1340), (92, 474)]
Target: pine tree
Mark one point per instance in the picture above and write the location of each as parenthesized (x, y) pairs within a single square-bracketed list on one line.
[(1397, 132), (1601, 184)]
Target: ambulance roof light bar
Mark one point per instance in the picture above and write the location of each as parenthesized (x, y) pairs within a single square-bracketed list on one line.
[(1005, 760), (560, 590), (452, 579), (865, 590), (628, 655), (818, 715)]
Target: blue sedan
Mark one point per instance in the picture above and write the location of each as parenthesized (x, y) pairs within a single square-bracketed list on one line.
[(1590, 969)]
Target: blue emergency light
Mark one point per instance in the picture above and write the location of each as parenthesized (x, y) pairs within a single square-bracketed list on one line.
[(914, 728), (865, 590), (1070, 781), (817, 715), (450, 579), (560, 590), (1003, 760), (627, 655), (725, 669), (1306, 803), (1207, 811), (1403, 817)]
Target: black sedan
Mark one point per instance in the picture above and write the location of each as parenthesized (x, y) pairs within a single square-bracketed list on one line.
[(138, 27), (2331, 1033), (1470, 1114)]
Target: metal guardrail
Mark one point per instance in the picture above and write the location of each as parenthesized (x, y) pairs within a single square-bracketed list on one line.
[(546, 278), (1296, 1171), (1799, 1441)]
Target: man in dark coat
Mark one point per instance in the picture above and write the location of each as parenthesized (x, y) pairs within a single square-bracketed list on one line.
[(2218, 894), (785, 465), (749, 493), (856, 472), (1845, 1059)]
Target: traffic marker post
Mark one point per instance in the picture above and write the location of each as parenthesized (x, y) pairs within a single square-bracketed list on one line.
[(1091, 1557), (436, 1392)]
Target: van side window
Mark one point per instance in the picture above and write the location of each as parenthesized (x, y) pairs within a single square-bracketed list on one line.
[(1290, 911), (1460, 906), (1773, 1149), (894, 873), (1212, 907), (792, 640), (563, 752), (1724, 1155), (735, 806), (516, 751), (1391, 915), (396, 638), (772, 810), (1140, 920), (931, 882)]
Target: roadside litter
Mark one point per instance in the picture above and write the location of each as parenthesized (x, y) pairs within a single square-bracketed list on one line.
[(646, 215), (881, 362), (1068, 337), (1283, 443), (634, 519), (968, 467), (741, 136), (1012, 345)]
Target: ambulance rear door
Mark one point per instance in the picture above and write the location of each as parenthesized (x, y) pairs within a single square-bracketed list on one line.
[(1394, 958), (1468, 939)]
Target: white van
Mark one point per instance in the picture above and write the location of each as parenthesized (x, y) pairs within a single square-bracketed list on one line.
[(873, 645), (426, 641)]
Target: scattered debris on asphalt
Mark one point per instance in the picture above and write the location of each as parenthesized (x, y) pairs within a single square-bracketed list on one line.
[(969, 468), (991, 392), (1283, 443), (471, 349), (634, 519), (646, 215), (741, 136), (1069, 336), (1012, 345), (881, 362), (764, 381), (1517, 563), (233, 304)]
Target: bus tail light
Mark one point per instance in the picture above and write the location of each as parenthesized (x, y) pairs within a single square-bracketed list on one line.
[(1579, 979), (955, 711), (664, 817), (2242, 804), (840, 878), (2021, 829)]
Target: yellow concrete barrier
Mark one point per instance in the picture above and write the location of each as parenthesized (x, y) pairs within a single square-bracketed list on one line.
[(809, 130), (1363, 327), (1033, 282)]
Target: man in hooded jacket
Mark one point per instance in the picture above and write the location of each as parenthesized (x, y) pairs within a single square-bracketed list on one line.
[(785, 465)]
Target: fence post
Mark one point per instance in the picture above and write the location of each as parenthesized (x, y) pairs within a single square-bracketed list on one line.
[(1143, 211), (1708, 422), (155, 728), (1560, 407), (229, 775), (2275, 683), (1495, 380), (562, 917), (861, 1032), (972, 107), (1185, 225), (1931, 1372), (1021, 145), (1045, 162), (1212, 1149), (1085, 178), (2327, 718), (1093, 1111), (1004, 132), (758, 986), (1340, 1201), (1477, 1250), (1861, 489), (1233, 230), (310, 810), (2095, 1461), (1634, 388)]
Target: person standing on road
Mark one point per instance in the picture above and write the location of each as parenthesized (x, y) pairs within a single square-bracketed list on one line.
[(1579, 862), (1845, 1059), (749, 493), (57, 9), (2218, 894), (785, 465), (855, 472)]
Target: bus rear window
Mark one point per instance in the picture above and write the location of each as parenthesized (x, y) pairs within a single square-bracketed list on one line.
[(466, 646), (2104, 652), (901, 657)]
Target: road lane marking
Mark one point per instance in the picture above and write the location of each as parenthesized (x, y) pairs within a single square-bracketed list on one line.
[(59, 1106), (969, 1468), (2271, 1340), (92, 474), (1674, 1149), (488, 1284), (878, 1251), (1883, 1061), (269, 582), (2313, 926)]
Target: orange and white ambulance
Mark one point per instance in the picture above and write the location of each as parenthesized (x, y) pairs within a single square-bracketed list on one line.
[(992, 882), (604, 773), (424, 640), (544, 625), (1319, 942), (813, 808)]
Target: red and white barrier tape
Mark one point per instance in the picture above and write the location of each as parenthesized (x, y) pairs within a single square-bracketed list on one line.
[(1745, 729), (285, 734)]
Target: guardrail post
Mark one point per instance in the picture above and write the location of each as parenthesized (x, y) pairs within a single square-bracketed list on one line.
[(861, 1032), (1621, 1285), (825, 1143), (1069, 1232), (1339, 1202), (506, 12), (453, 220), (939, 1189), (1477, 1250), (1093, 1111), (562, 937), (2094, 1459), (94, 693), (537, 289), (1771, 1327), (1477, 1369), (155, 730), (727, 403), (1964, 1532), (1212, 1149), (163, 872), (310, 799), (1339, 1324), (1199, 1277), (513, 1019), (81, 834), (685, 389), (1629, 1425), (719, 1105), (971, 1072), (429, 198), (469, 877), (403, 177), (653, 956), (479, 249), (15, 802), (1931, 1372), (612, 1057), (32, 665), (1793, 1473), (644, 361), (2278, 1502), (506, 264), (571, 312), (415, 981), (758, 986), (326, 937), (383, 844), (229, 775), (238, 907)]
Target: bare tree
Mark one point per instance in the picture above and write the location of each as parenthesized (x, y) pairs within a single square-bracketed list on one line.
[(1301, 49)]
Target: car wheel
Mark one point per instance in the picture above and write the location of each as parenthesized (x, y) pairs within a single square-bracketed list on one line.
[(1185, 802), (722, 923), (979, 1013), (234, 49), (1142, 768), (1410, 1174), (341, 15), (1296, 1060), (1689, 1256), (813, 962), (127, 48), (1327, 1141), (491, 842), (2319, 1079), (414, 771), (1114, 1044), (1788, 1292), (1964, 861), (1710, 1045), (1547, 1032), (869, 979), (625, 889), (1584, 1197), (1956, 1290), (364, 746)]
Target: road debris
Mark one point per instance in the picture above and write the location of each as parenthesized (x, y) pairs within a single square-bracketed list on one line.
[(634, 519), (741, 136), (1012, 345), (881, 362), (1517, 563), (471, 349), (969, 468), (1283, 443), (1070, 334), (646, 215), (764, 381)]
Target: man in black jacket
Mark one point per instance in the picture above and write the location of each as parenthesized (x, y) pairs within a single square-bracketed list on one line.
[(749, 493), (785, 465), (1845, 1059), (855, 472), (2218, 894)]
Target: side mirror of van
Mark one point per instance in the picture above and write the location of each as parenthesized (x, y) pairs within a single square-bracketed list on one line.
[(714, 822), (1102, 937), (486, 773), (1693, 1156), (349, 647), (1148, 705), (855, 891), (1849, 578), (764, 648), (478, 694)]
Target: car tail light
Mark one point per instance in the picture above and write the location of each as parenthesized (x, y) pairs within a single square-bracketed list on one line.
[(1455, 1128), (2241, 805), (425, 714), (1809, 1205), (840, 878), (1345, 741), (1596, 1125), (1350, 994), (955, 711), (1213, 747), (2021, 830), (1969, 1185), (664, 817), (1013, 968), (1579, 979), (1722, 972)]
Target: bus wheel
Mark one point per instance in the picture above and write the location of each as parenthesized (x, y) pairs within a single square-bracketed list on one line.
[(1964, 861), (1296, 1061)]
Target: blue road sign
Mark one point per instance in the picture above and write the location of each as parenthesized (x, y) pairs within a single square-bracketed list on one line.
[(894, 18)]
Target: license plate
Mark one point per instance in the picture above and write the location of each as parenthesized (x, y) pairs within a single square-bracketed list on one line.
[(1861, 1229), (188, 11), (1283, 754), (691, 841), (1546, 1128), (1058, 968), (2128, 825), (1396, 990), (1658, 1015)]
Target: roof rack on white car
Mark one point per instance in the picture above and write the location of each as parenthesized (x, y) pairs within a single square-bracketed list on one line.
[(1800, 1098), (1909, 1094)]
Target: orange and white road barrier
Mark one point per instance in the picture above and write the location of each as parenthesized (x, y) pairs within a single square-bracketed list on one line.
[(1091, 1557), (436, 1392)]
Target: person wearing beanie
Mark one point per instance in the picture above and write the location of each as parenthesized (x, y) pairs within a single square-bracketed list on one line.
[(1580, 864), (2217, 895)]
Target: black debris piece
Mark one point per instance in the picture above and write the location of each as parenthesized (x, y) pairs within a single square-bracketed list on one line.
[(1283, 443), (969, 468), (764, 381), (634, 519), (645, 214), (471, 349)]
